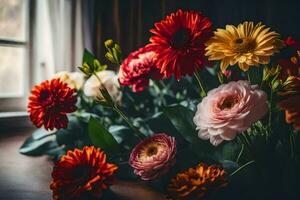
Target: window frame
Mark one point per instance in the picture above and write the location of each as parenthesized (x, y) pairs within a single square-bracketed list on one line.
[(18, 103)]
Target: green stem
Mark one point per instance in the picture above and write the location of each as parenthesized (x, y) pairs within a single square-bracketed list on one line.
[(203, 92), (122, 115), (240, 154), (242, 167), (261, 84), (248, 76), (270, 115), (126, 119), (292, 144)]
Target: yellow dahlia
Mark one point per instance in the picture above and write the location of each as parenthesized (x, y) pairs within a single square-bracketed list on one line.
[(246, 45), (194, 183)]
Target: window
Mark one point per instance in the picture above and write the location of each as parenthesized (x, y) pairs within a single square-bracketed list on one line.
[(14, 54)]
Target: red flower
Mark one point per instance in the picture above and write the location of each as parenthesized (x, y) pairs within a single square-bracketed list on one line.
[(291, 42), (81, 173), (138, 68), (49, 104), (179, 41), (291, 65)]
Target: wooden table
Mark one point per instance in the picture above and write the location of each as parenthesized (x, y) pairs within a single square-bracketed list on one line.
[(22, 177), (28, 178)]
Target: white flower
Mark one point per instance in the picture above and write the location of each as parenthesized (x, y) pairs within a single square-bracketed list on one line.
[(73, 79), (110, 81)]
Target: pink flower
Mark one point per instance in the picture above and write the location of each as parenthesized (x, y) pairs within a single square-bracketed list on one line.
[(228, 110), (154, 156), (138, 68)]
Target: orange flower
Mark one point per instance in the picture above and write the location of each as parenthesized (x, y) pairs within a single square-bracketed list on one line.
[(292, 110), (194, 183), (49, 104), (80, 173)]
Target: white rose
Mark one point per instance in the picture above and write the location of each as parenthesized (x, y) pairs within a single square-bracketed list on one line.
[(110, 81), (73, 79)]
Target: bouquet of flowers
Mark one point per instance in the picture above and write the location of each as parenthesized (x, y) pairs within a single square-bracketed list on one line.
[(194, 114)]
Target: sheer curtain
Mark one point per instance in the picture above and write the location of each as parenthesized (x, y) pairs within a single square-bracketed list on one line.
[(57, 37)]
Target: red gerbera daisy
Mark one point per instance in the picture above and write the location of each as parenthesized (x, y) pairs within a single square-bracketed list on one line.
[(179, 41), (82, 173), (138, 68), (49, 104)]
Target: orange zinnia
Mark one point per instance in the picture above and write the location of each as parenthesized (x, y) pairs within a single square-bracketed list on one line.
[(292, 110), (194, 183), (82, 173)]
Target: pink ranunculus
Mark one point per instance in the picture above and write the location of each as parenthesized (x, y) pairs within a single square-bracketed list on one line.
[(138, 68), (154, 156), (228, 110)]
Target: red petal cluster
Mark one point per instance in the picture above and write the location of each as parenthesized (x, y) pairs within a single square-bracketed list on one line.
[(291, 42), (82, 173), (178, 41), (49, 104), (291, 65), (138, 68)]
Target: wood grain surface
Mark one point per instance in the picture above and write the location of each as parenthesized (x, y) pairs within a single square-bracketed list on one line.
[(22, 177)]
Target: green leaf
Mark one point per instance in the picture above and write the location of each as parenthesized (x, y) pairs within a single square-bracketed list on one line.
[(37, 147), (41, 133), (88, 58), (100, 137), (203, 149), (160, 123), (182, 119), (85, 116), (229, 166), (70, 134), (124, 136), (228, 151)]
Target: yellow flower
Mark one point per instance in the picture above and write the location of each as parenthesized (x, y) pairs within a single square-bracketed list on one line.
[(246, 45)]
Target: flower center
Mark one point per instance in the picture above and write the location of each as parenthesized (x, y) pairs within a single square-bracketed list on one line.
[(180, 38), (80, 171), (239, 41), (243, 45), (228, 102), (151, 151), (44, 95)]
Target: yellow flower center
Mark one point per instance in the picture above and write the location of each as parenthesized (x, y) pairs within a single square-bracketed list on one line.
[(228, 102), (243, 45), (151, 151)]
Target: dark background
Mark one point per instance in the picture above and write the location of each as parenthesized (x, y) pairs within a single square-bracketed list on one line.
[(128, 21)]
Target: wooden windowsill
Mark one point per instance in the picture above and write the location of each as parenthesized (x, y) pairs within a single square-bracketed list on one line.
[(14, 121)]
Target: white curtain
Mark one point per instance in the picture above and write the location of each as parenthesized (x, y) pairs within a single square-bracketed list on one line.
[(57, 37)]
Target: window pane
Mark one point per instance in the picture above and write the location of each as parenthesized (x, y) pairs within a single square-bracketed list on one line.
[(13, 19), (12, 62)]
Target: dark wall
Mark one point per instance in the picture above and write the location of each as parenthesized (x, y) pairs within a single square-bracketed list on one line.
[(129, 21)]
